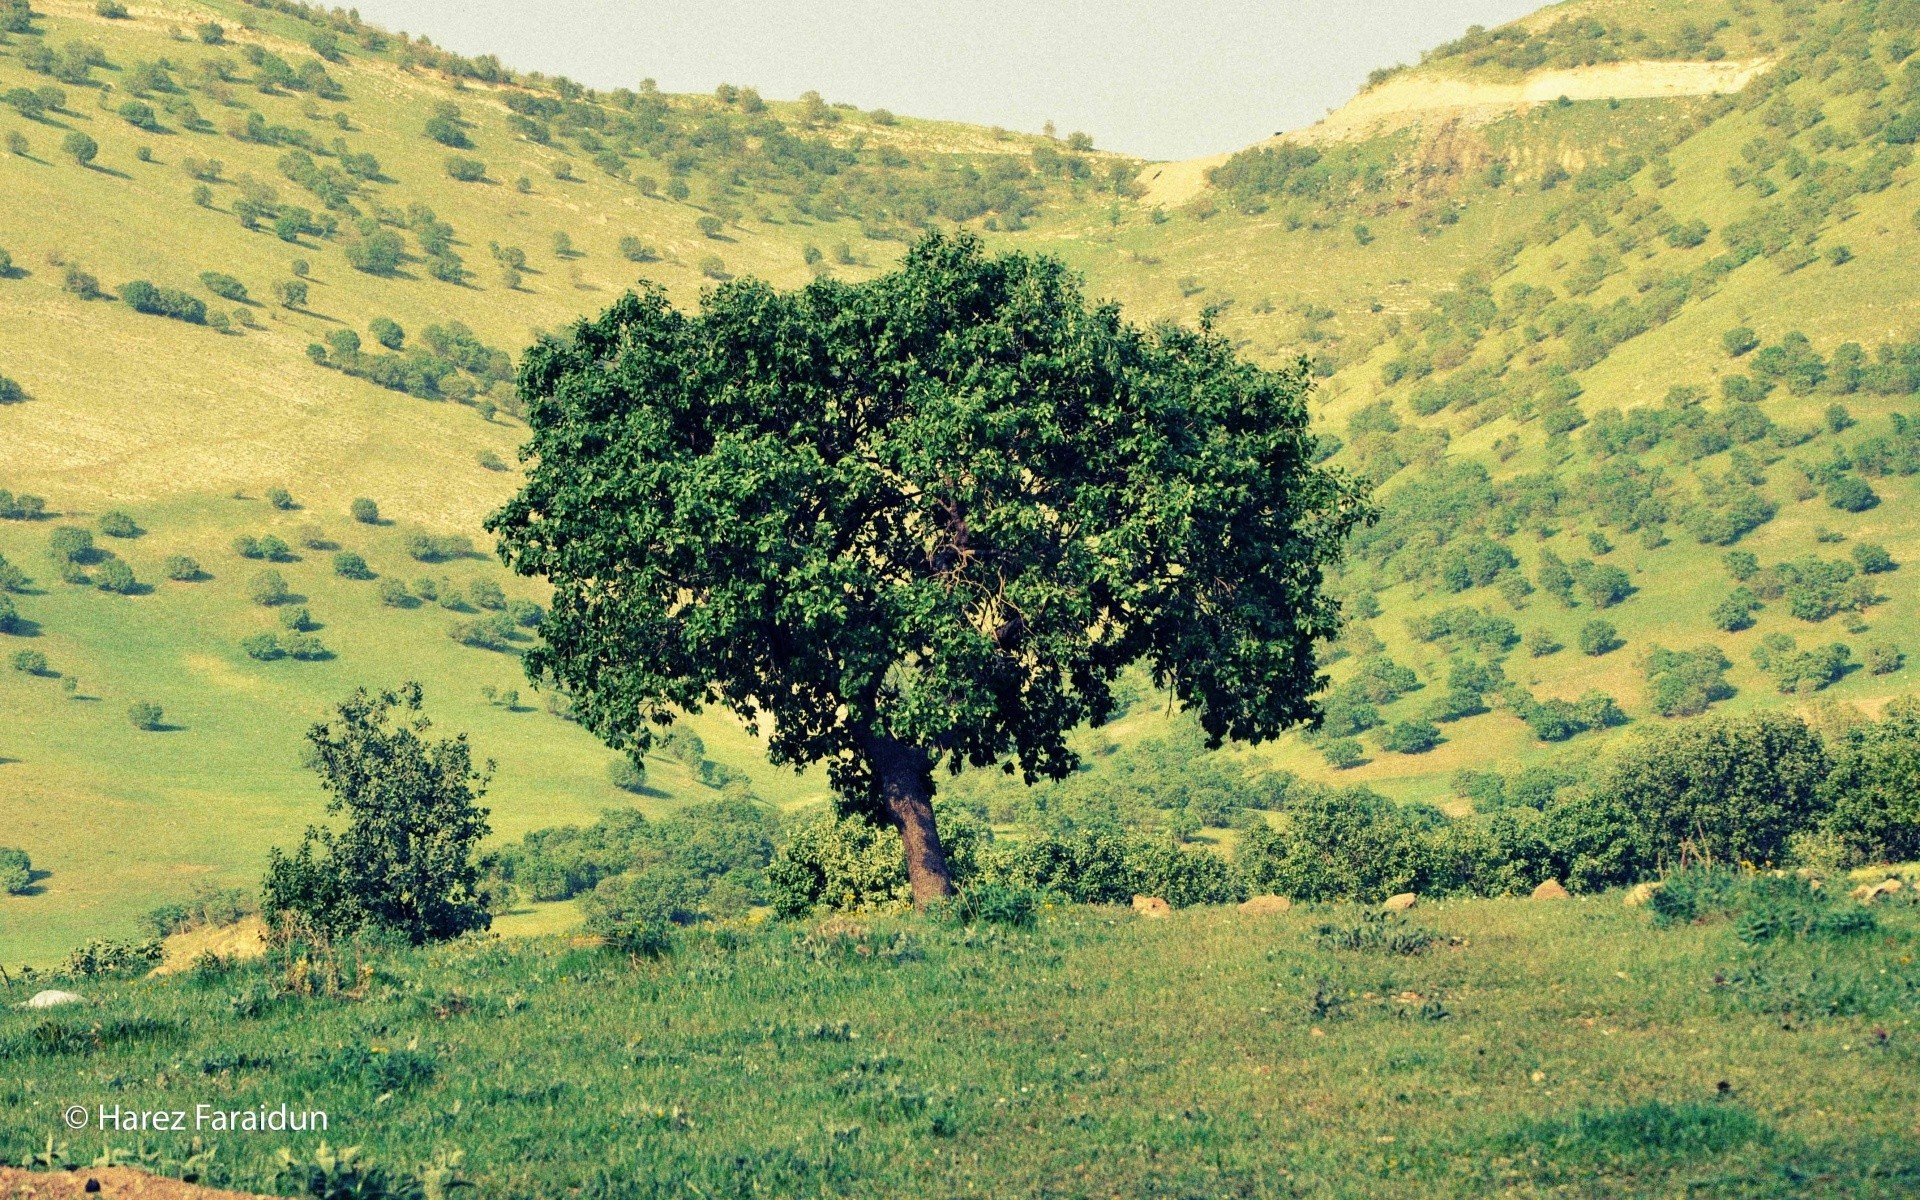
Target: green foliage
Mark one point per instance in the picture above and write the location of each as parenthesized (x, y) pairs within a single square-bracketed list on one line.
[(387, 332), (434, 548), (32, 662), (181, 568), (1411, 737), (1599, 637), (1736, 611), (116, 576), (145, 715), (1874, 787), (405, 861), (627, 775), (116, 523), (994, 701), (365, 511), (1682, 683), (466, 170), (144, 297), (80, 148), (268, 588), (16, 871), (1761, 908), (634, 250), (1794, 670), (349, 565)]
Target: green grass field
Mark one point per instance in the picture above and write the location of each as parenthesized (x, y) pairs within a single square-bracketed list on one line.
[(1534, 1049)]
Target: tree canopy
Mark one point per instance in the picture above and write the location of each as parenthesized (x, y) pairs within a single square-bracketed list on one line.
[(920, 521)]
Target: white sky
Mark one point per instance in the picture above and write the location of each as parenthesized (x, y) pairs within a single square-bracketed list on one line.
[(1162, 79)]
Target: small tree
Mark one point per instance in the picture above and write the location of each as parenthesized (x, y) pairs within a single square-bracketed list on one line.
[(280, 498), (80, 148), (268, 588), (32, 662), (1599, 637), (405, 861), (16, 871), (349, 565), (117, 524), (116, 576), (365, 511), (466, 170), (387, 332), (180, 568), (291, 293), (145, 715)]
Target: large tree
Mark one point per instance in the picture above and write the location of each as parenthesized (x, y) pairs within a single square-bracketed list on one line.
[(917, 522)]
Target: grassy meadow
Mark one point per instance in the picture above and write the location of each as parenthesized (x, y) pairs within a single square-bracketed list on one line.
[(1529, 1049)]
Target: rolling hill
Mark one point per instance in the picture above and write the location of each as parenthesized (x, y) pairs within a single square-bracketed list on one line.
[(1599, 300)]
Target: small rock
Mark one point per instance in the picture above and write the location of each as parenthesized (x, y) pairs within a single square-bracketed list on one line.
[(1260, 906), (1889, 887), (1866, 893), (1401, 903), (1152, 906), (1642, 893), (1551, 890), (52, 999)]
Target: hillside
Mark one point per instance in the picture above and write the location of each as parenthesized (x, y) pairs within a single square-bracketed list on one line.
[(1517, 267)]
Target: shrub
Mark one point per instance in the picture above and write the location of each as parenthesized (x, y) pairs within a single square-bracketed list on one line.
[(627, 775), (1682, 683), (1599, 637), (70, 543), (281, 499), (117, 524), (1735, 612), (16, 871), (365, 511), (349, 565), (710, 226), (1411, 737), (144, 297), (487, 594), (273, 549), (714, 267), (1343, 753), (9, 615), (394, 594), (32, 662), (425, 547), (138, 114), (1850, 493), (446, 130), (636, 914), (524, 613), (993, 904), (116, 576), (291, 293), (224, 286), (387, 332), (1884, 658), (145, 715), (113, 10), (1739, 340), (262, 646), (466, 170), (1872, 558), (1338, 844), (487, 633), (268, 588), (80, 148), (634, 250), (180, 568)]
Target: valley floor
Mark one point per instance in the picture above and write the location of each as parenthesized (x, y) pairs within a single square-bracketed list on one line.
[(1532, 1048)]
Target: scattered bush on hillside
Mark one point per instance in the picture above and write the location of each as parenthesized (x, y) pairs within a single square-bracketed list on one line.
[(349, 565), (116, 576), (1683, 683), (281, 499), (30, 662), (291, 293), (1794, 670), (1599, 637), (180, 568), (1556, 720), (224, 286), (466, 170), (118, 524), (434, 548), (71, 544), (394, 594), (80, 148), (1410, 737), (405, 861), (145, 715), (16, 871), (268, 588), (387, 332), (1884, 658), (634, 250), (22, 507), (144, 297), (10, 621), (364, 511), (1735, 612), (1872, 558), (12, 578)]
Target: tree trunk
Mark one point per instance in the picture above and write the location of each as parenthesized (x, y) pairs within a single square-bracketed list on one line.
[(906, 788)]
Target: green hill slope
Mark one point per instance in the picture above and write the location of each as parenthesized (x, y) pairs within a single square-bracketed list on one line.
[(1519, 310)]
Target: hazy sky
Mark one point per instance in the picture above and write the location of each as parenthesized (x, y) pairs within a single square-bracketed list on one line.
[(1158, 78)]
